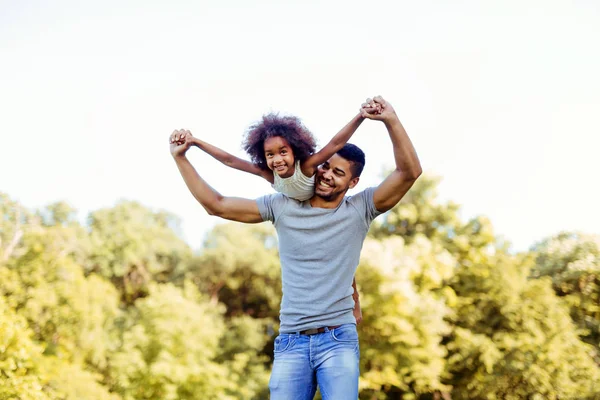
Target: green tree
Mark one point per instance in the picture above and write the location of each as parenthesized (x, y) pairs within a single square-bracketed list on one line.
[(19, 358), (572, 261), (513, 338), (66, 311), (68, 381), (496, 320), (239, 267), (420, 213), (170, 348), (14, 221), (404, 308), (133, 246), (59, 213), (241, 352)]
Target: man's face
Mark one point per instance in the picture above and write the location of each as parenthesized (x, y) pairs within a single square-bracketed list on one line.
[(279, 156), (334, 178)]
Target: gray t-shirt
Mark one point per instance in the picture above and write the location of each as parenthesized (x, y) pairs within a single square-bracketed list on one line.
[(319, 250)]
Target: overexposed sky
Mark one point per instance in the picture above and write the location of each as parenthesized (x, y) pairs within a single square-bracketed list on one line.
[(500, 98)]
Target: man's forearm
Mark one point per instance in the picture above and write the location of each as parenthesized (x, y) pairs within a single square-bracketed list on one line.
[(405, 156), (207, 196)]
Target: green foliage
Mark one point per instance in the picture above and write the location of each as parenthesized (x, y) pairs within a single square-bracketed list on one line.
[(167, 342), (419, 213), (133, 246), (513, 339), (59, 213), (121, 310), (240, 267), (67, 311), (66, 335), (241, 353), (169, 347), (67, 381), (14, 221), (572, 261), (19, 358), (404, 317)]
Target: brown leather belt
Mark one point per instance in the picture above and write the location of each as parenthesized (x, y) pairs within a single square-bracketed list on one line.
[(314, 331)]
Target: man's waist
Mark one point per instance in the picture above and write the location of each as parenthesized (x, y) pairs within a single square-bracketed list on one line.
[(322, 329), (294, 326)]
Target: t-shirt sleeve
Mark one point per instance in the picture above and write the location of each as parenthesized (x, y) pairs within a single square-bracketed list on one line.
[(364, 204), (271, 206)]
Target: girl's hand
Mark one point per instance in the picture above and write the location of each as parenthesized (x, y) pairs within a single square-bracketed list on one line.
[(180, 141), (378, 109), (371, 107)]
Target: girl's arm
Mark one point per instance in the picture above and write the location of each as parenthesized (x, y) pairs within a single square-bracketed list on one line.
[(309, 166), (231, 160)]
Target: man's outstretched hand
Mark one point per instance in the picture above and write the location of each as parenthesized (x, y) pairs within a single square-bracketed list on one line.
[(378, 109), (180, 141)]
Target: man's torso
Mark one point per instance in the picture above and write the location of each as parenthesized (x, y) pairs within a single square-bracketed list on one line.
[(319, 250)]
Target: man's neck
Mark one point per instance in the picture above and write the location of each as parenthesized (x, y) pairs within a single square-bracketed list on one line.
[(319, 202)]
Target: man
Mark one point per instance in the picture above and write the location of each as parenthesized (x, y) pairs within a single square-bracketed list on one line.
[(320, 240)]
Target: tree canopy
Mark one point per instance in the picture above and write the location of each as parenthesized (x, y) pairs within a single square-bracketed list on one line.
[(120, 307)]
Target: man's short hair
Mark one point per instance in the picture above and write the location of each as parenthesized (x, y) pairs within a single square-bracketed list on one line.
[(356, 157)]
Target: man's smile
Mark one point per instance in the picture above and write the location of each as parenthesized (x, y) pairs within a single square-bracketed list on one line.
[(324, 184)]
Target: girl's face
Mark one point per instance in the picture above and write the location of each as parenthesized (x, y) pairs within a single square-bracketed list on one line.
[(279, 156)]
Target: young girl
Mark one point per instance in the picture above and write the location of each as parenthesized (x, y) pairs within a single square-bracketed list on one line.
[(282, 151)]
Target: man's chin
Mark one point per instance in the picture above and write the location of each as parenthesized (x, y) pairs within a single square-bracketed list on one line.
[(324, 194)]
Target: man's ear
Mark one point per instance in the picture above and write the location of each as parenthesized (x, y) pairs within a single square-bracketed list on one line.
[(353, 182)]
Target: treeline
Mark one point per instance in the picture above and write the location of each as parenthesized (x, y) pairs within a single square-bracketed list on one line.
[(120, 308)]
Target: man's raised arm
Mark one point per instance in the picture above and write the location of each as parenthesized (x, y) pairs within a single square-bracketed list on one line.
[(233, 208), (408, 167)]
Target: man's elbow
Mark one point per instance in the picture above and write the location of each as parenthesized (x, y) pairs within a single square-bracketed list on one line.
[(213, 208), (415, 173), (210, 211), (412, 174)]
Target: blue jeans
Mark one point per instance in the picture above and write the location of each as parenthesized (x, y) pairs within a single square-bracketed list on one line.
[(329, 359)]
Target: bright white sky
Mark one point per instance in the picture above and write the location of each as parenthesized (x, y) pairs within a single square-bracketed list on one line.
[(501, 98)]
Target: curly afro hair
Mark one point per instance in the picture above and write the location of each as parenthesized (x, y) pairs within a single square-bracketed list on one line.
[(290, 128)]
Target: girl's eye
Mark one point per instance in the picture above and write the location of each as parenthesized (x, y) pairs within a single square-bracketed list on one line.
[(284, 152)]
